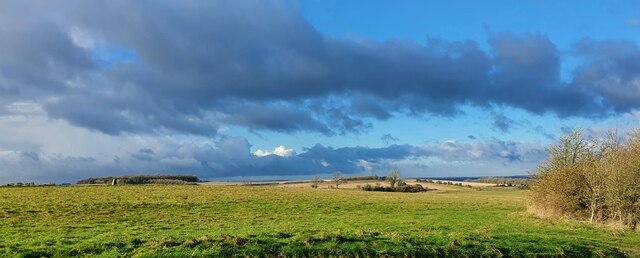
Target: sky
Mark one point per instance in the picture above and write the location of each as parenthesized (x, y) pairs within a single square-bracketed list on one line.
[(259, 90)]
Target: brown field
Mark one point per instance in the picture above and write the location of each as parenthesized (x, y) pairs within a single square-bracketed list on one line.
[(327, 184)]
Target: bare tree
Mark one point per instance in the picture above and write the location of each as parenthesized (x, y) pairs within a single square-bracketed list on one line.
[(393, 177), (337, 178), (315, 181)]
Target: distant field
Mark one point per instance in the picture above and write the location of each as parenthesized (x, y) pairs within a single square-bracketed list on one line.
[(328, 183), (153, 220)]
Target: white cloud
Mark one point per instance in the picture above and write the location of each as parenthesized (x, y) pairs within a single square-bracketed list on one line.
[(278, 151), (223, 129), (81, 37), (365, 165), (27, 107), (450, 145)]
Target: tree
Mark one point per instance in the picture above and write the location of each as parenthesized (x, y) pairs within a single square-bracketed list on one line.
[(337, 178), (315, 181), (393, 177)]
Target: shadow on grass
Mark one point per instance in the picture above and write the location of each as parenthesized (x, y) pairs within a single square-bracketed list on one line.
[(337, 244), (369, 244)]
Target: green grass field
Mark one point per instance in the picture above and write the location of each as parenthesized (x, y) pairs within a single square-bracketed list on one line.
[(153, 220)]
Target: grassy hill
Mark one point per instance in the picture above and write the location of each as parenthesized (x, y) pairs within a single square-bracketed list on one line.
[(189, 220)]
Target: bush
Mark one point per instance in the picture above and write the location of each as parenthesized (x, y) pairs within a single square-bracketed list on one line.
[(411, 188), (598, 180), (404, 188)]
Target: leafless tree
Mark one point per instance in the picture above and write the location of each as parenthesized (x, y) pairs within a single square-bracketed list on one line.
[(337, 178)]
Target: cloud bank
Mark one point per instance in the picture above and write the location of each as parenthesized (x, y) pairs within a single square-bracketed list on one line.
[(195, 66), (72, 154)]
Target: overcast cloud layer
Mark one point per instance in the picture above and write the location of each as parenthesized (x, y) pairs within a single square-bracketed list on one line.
[(193, 67)]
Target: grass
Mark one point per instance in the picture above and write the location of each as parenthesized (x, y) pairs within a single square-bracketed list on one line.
[(159, 221)]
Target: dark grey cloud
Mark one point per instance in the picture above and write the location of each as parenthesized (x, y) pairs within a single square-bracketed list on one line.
[(30, 154), (387, 138), (195, 66), (612, 71), (280, 117), (502, 123), (363, 153), (540, 130), (143, 154)]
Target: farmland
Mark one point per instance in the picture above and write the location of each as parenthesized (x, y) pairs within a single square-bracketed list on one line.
[(185, 220)]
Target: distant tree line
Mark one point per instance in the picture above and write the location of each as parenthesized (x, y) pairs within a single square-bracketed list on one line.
[(19, 184), (504, 181), (596, 180), (442, 182), (24, 184), (141, 179)]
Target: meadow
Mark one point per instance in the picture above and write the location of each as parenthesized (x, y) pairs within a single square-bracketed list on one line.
[(196, 220)]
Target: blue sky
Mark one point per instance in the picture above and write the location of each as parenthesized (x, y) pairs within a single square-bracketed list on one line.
[(287, 89), (564, 22)]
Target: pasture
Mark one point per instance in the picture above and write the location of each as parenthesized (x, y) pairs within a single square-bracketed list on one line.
[(197, 220)]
